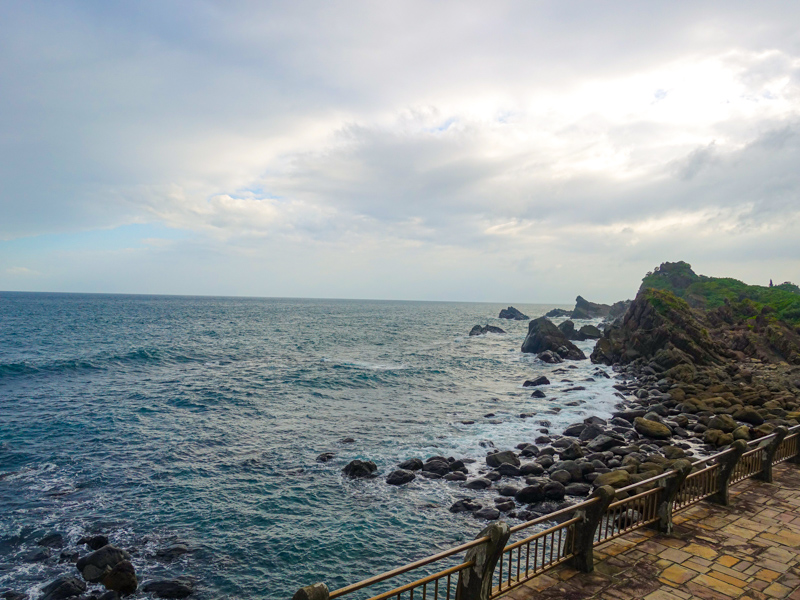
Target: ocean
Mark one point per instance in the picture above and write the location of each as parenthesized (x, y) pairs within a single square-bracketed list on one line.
[(164, 419)]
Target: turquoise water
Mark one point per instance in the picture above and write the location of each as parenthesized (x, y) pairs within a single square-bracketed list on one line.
[(156, 419)]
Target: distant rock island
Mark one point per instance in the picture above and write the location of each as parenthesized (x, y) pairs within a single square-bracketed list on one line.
[(478, 330), (513, 313)]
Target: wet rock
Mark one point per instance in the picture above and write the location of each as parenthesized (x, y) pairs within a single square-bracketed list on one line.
[(530, 494), (64, 587), (488, 513), (52, 540), (543, 336), (428, 475), (571, 452), (742, 433), (561, 476), (504, 505), (175, 588), (496, 459), (507, 490), (602, 443), (325, 457), (578, 489), (412, 464), (508, 470), (492, 476), (549, 357), (479, 483), (478, 330), (538, 394), (541, 380), (651, 429), (110, 595), (722, 422), (466, 505), (358, 469), (531, 469), (121, 579), (590, 332), (172, 551), (400, 477), (437, 465), (95, 565), (11, 595), (554, 490), (748, 414), (38, 555), (673, 452), (68, 556), (347, 440)]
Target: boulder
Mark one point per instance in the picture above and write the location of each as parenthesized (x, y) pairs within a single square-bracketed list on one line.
[(602, 443), (590, 332), (94, 566), (358, 469), (121, 579), (615, 479), (549, 357), (723, 422), (173, 588), (507, 490), (590, 432), (439, 466), (412, 464), (652, 429), (578, 489), (589, 310), (541, 380), (453, 476), (569, 331), (530, 494), (56, 540), (748, 414), (64, 587), (557, 313), (508, 470), (561, 476), (553, 490), (489, 513), (513, 313), (400, 477), (571, 452), (478, 330), (479, 483), (325, 457), (505, 457), (465, 505), (543, 336), (538, 394)]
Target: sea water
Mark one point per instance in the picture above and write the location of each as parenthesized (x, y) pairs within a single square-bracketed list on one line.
[(156, 419)]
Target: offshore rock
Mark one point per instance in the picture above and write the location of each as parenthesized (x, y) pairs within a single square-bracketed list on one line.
[(549, 357), (95, 542), (358, 469), (498, 458), (478, 330), (412, 464), (589, 310), (175, 588), (543, 336), (541, 380), (121, 579), (400, 477), (513, 313), (96, 565), (590, 332), (64, 587), (466, 505), (557, 313)]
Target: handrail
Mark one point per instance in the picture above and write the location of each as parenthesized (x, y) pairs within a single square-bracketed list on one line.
[(405, 569), (753, 447)]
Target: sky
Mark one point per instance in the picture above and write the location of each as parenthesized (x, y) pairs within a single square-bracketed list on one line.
[(442, 150)]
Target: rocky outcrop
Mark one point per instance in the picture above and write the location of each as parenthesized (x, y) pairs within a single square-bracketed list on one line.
[(64, 587), (589, 310), (99, 563), (543, 335), (400, 477), (358, 469), (478, 330), (557, 313), (513, 314), (590, 332), (173, 588)]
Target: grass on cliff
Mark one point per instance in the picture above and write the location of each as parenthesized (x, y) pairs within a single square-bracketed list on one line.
[(712, 292)]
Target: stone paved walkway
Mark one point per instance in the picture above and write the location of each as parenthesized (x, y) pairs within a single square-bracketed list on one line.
[(748, 550)]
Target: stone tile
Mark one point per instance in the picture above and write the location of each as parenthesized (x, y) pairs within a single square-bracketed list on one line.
[(701, 551), (726, 578), (767, 575), (776, 590), (674, 555), (727, 560), (677, 575)]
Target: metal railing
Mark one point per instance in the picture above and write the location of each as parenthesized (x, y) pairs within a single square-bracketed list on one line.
[(499, 565)]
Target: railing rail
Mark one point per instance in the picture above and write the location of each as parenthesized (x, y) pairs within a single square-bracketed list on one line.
[(542, 549)]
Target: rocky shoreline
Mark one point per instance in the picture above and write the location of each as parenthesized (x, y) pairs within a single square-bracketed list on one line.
[(690, 383)]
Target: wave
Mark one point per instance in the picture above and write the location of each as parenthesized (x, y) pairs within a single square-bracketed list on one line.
[(98, 362)]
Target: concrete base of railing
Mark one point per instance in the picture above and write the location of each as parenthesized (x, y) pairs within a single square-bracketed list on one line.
[(584, 532), (670, 488), (475, 583), (770, 448), (318, 591), (728, 464)]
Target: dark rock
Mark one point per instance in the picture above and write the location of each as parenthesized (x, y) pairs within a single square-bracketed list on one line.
[(38, 555), (175, 588), (504, 506), (561, 476), (110, 595), (488, 513), (95, 565), (574, 429), (538, 394), (590, 432), (541, 380), (56, 540), (121, 578), (357, 469), (748, 414), (172, 551), (412, 464), (465, 505), (479, 483), (69, 556), (543, 335), (498, 458), (590, 332), (549, 357), (569, 331), (478, 330), (64, 587), (440, 466), (347, 440), (492, 476), (530, 494), (589, 310), (571, 452), (429, 475), (325, 457), (602, 443), (554, 490), (400, 477), (652, 429), (507, 490), (513, 313), (508, 470), (531, 469), (455, 476), (578, 489), (557, 313), (11, 595)]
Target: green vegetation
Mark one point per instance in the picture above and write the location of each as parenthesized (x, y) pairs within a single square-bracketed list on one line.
[(782, 301)]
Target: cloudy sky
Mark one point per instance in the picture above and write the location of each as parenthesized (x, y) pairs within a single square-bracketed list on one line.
[(489, 151)]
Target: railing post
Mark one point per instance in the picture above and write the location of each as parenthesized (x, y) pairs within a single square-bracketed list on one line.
[(475, 583), (670, 486), (769, 449), (727, 465), (318, 591), (582, 537), (796, 458)]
